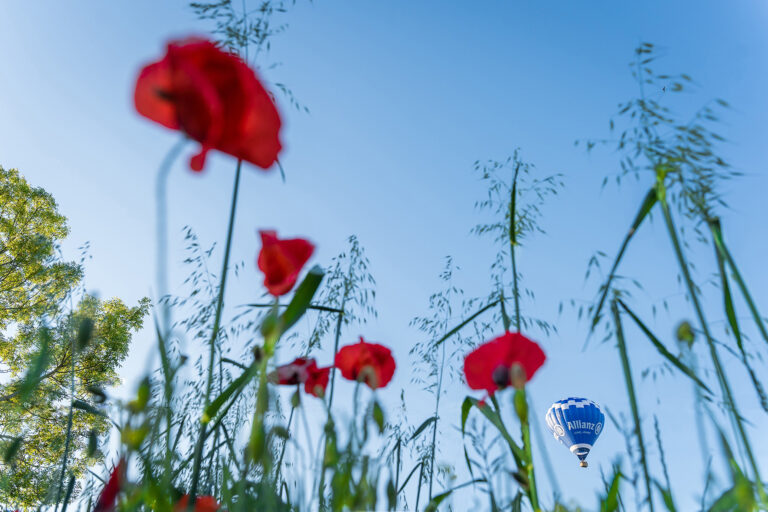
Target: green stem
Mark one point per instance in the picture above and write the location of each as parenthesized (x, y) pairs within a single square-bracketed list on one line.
[(282, 450), (69, 428), (512, 245), (337, 337), (418, 489), (717, 236), (161, 201), (721, 377), (543, 448), (632, 398), (212, 341), (525, 428), (434, 424)]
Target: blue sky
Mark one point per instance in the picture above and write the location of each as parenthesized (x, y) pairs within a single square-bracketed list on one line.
[(403, 98)]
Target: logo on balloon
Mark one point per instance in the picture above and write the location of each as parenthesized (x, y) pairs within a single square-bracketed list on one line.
[(598, 428), (559, 431)]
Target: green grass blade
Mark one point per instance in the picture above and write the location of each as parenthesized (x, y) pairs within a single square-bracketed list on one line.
[(632, 398), (663, 350), (234, 386), (432, 506), (717, 236), (493, 416), (423, 426), (465, 322), (733, 323), (650, 200), (301, 298)]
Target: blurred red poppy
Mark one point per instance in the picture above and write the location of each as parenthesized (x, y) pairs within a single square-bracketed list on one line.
[(317, 381), (108, 497), (509, 359), (214, 98), (368, 362), (303, 371), (292, 373), (281, 261), (202, 504)]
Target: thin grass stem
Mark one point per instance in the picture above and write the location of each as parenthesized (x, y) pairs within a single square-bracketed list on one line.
[(632, 398), (721, 377), (212, 341)]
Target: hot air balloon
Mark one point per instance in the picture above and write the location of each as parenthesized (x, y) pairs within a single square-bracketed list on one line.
[(577, 423)]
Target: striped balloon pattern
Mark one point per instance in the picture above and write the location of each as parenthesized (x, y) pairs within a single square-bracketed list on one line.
[(577, 423)]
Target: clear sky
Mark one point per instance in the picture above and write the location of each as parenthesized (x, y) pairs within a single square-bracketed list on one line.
[(404, 97)]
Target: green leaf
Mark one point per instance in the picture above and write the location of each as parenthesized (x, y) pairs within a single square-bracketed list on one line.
[(466, 406), (84, 332), (495, 419), (465, 322), (648, 203), (429, 421), (730, 313), (717, 236), (611, 501), (12, 449), (666, 496), (302, 299), (417, 466), (432, 506), (663, 350), (234, 386), (378, 416), (37, 366), (85, 406)]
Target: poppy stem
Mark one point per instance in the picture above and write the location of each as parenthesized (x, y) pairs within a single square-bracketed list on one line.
[(161, 205), (212, 341)]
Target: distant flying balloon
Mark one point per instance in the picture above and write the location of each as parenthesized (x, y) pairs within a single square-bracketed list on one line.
[(577, 423)]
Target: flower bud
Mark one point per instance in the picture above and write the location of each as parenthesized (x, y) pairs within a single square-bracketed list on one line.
[(518, 376), (684, 333)]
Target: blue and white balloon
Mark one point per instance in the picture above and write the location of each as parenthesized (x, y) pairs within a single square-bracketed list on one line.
[(577, 423)]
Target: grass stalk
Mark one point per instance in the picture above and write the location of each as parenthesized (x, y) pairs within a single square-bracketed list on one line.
[(434, 423), (513, 244), (632, 398), (69, 427), (212, 341), (721, 377)]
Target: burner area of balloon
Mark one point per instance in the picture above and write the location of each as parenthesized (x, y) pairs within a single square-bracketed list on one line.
[(577, 423)]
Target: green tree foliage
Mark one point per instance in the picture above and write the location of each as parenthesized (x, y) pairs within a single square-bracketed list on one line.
[(33, 280), (52, 355)]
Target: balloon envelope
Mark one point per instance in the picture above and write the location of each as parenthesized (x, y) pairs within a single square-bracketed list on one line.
[(577, 423)]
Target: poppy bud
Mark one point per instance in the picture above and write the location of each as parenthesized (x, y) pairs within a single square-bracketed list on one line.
[(518, 376)]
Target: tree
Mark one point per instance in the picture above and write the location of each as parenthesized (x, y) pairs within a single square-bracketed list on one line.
[(33, 279), (53, 355)]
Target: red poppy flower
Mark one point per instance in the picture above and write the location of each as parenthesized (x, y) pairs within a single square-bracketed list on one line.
[(281, 261), (509, 359), (108, 497), (292, 373), (369, 362), (303, 371), (317, 381), (213, 97), (202, 504)]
